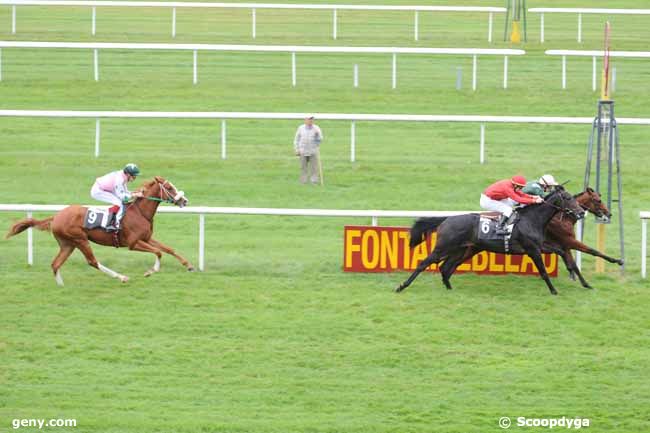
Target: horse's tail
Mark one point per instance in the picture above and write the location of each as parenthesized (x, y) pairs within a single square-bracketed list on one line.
[(422, 227), (26, 223)]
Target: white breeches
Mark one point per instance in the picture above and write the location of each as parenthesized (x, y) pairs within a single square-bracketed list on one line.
[(99, 194), (504, 206)]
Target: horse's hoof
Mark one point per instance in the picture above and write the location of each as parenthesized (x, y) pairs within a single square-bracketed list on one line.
[(191, 269), (123, 278), (589, 287), (621, 262), (554, 293), (572, 276), (399, 289), (148, 273)]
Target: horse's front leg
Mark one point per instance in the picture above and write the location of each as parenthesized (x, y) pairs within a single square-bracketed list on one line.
[(575, 244), (164, 248), (141, 245), (569, 262), (535, 253)]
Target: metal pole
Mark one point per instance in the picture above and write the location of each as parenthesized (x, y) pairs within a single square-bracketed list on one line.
[(620, 196), (94, 26), (482, 151), (613, 84), (579, 27), (223, 138), (254, 30), (474, 72), (97, 132), (356, 75), (194, 67), (563, 72), (96, 63), (490, 20), (201, 242), (593, 74), (30, 243), (293, 69), (415, 26), (353, 144), (394, 70), (173, 22), (13, 20), (644, 246), (334, 24), (505, 72), (541, 33)]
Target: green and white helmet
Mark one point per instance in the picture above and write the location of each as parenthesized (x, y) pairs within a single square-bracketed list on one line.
[(132, 169)]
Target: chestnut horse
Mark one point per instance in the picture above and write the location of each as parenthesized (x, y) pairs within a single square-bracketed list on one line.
[(67, 226), (560, 233)]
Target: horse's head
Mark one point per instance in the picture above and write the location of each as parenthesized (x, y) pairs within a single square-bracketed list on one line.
[(590, 200), (565, 202), (165, 191)]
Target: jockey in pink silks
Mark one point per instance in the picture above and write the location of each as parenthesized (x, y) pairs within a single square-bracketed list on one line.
[(111, 188)]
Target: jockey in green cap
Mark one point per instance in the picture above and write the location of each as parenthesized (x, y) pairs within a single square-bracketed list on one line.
[(541, 186)]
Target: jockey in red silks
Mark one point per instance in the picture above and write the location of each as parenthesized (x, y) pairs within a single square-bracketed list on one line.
[(111, 188), (503, 195)]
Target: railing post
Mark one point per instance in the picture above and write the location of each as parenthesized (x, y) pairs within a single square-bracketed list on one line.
[(13, 20), (375, 221), (194, 68), (394, 70), (593, 74), (254, 23), (223, 138), (97, 131), (580, 27), (353, 144), (482, 147), (173, 22), (201, 242), (490, 20), (356, 75), (334, 24), (415, 26), (541, 32), (94, 26), (293, 69), (644, 247), (474, 67), (563, 72), (96, 64), (505, 72), (30, 243)]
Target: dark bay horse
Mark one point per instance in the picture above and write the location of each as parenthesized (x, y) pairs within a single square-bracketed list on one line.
[(560, 233), (67, 226), (458, 238)]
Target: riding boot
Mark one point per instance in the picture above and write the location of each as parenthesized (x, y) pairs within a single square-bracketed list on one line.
[(501, 224), (112, 225)]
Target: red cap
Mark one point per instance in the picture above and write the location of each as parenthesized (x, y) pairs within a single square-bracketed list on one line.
[(518, 180)]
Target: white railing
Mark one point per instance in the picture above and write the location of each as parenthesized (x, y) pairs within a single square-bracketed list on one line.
[(644, 241), (353, 118), (253, 7), (202, 211), (581, 11), (593, 54), (293, 49)]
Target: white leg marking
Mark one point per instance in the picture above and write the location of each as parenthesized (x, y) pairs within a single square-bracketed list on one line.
[(156, 266), (112, 273), (58, 278)]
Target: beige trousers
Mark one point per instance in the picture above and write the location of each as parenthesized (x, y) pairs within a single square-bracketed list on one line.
[(309, 168)]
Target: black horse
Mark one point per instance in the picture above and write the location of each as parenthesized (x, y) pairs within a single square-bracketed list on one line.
[(458, 237)]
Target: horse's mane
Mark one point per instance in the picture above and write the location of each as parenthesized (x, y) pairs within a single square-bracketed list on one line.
[(555, 191)]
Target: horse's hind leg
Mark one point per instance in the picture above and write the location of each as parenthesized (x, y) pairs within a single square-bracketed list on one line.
[(164, 248), (65, 249), (146, 247), (84, 247), (453, 261), (433, 258)]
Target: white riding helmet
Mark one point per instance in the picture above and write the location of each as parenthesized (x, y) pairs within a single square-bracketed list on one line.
[(547, 180)]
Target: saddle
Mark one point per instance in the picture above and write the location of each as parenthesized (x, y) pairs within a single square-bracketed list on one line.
[(105, 219), (488, 233)]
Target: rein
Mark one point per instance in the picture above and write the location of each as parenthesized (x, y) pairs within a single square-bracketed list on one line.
[(564, 210)]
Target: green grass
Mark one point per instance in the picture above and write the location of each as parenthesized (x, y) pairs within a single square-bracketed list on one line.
[(273, 336)]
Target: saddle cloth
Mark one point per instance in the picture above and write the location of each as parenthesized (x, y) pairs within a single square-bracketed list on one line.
[(488, 234), (96, 218)]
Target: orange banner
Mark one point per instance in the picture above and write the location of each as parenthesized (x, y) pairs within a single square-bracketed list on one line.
[(386, 249)]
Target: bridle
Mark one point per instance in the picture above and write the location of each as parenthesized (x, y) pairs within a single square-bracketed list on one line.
[(165, 196), (565, 210), (597, 210)]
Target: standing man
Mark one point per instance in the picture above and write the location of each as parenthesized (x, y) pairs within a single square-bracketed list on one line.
[(307, 146)]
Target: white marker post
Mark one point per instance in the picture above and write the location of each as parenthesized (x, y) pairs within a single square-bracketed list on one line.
[(254, 17), (353, 144), (490, 20), (223, 138), (563, 72), (474, 67), (356, 76), (334, 24), (415, 26), (505, 72), (94, 25), (195, 77), (96, 63), (394, 70), (293, 69), (97, 135), (13, 20), (173, 22)]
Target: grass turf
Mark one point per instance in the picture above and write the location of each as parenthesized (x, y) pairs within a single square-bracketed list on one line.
[(273, 337)]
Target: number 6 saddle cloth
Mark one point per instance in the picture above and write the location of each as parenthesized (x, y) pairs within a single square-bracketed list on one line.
[(96, 218), (488, 234)]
